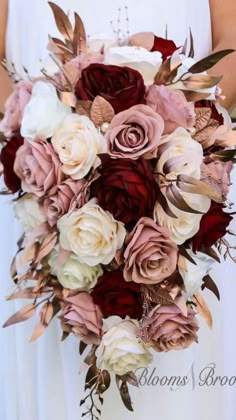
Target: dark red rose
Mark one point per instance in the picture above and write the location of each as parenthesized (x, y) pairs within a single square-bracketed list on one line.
[(126, 188), (215, 115), (164, 46), (115, 296), (122, 87), (213, 226), (7, 158)]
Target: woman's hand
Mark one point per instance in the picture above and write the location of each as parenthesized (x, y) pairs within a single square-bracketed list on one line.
[(223, 17), (5, 82)]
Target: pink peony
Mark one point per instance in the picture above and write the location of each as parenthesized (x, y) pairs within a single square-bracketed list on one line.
[(63, 198), (135, 132), (172, 106), (150, 256), (38, 167), (169, 329), (82, 317), (15, 106)]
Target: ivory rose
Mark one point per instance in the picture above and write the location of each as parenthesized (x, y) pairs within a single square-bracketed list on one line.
[(81, 317), (29, 212), (92, 234), (64, 197), (172, 106), (78, 143), (38, 167), (120, 351), (150, 255), (135, 132), (169, 329), (73, 274), (145, 62), (14, 107), (41, 120)]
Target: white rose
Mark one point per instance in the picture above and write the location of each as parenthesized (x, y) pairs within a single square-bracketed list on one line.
[(188, 62), (193, 277), (92, 234), (78, 143), (100, 42), (29, 212), (120, 350), (44, 113), (188, 155), (145, 62), (73, 274)]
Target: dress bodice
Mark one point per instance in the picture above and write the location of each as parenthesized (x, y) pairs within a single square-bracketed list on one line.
[(31, 21)]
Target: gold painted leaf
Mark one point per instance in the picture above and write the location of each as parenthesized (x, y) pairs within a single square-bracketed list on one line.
[(209, 284), (175, 198), (203, 116), (27, 293), (46, 315), (46, 246), (224, 155), (194, 186), (164, 204), (208, 62), (62, 21), (204, 137), (201, 81), (79, 36), (83, 107), (157, 295), (193, 96), (202, 308), (101, 111), (165, 75), (22, 315)]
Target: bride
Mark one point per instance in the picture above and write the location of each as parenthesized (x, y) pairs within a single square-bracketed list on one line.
[(41, 381)]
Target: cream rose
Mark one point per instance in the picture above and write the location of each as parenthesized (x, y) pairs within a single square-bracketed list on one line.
[(44, 113), (145, 62), (92, 234), (29, 212), (120, 350), (78, 143), (73, 274), (195, 272)]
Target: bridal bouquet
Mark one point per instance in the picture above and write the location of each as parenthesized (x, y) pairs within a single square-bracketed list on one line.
[(120, 164)]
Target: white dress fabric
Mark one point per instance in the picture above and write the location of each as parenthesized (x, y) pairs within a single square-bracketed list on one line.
[(41, 381)]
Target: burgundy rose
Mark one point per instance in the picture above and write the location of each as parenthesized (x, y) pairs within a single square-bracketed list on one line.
[(122, 87), (126, 188), (213, 226), (164, 46), (215, 115), (115, 296), (7, 158)]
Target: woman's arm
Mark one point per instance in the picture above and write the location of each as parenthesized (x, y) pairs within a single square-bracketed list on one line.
[(5, 82), (223, 17)]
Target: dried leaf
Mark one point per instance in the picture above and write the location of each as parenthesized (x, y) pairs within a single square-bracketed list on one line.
[(184, 253), (204, 137), (13, 270), (209, 284), (27, 293), (157, 295), (46, 246), (82, 347), (79, 37), (208, 62), (165, 75), (224, 155), (46, 315), (194, 186), (101, 111), (193, 96), (164, 204), (132, 379), (83, 108), (211, 253), (191, 50), (178, 201), (124, 393), (26, 256), (22, 315), (104, 381), (202, 308), (201, 81), (91, 377), (203, 116), (62, 21), (182, 263), (65, 334)]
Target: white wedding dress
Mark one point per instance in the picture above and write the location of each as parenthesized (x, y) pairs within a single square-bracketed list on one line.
[(41, 381)]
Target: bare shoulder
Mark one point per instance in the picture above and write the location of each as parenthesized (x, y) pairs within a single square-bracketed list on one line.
[(3, 24), (223, 16)]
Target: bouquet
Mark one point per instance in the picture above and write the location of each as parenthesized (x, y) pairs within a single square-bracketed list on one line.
[(120, 168)]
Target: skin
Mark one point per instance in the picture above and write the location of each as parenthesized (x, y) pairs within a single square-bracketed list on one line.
[(223, 16)]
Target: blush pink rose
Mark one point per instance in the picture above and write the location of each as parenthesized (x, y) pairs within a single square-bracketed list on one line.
[(150, 255), (63, 198), (14, 108), (135, 132), (168, 329), (217, 175), (172, 106), (82, 317), (38, 167)]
